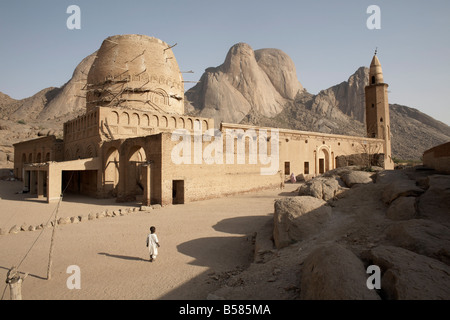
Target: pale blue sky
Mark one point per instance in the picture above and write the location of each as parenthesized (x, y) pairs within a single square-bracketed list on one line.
[(327, 40)]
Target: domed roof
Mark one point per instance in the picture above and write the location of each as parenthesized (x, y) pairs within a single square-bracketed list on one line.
[(136, 71)]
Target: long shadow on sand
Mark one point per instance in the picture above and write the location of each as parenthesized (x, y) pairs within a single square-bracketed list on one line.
[(121, 257)]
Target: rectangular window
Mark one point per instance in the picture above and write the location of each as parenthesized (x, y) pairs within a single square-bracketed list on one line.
[(306, 171), (287, 168)]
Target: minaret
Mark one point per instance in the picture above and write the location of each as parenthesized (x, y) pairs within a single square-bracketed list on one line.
[(377, 110)]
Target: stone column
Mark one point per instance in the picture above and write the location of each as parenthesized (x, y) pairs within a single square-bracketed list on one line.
[(33, 178), (54, 183), (40, 183), (121, 186), (146, 175), (26, 180)]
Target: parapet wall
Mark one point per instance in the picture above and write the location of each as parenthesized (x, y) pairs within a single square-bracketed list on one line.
[(438, 158)]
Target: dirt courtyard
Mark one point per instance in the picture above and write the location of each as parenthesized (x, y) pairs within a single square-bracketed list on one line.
[(199, 241)]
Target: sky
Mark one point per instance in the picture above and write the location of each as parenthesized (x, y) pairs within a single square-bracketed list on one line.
[(327, 40)]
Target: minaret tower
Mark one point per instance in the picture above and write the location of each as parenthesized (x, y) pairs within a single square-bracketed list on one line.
[(377, 110)]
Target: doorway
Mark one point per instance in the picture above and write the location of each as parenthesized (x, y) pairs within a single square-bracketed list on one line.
[(178, 192), (321, 166)]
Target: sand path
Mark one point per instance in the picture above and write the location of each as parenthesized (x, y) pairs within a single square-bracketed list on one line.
[(199, 241)]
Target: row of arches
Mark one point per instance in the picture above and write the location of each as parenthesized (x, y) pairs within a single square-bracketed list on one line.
[(38, 157), (81, 123), (153, 120)]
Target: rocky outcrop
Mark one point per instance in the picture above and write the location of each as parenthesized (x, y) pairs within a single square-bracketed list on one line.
[(434, 204), (402, 208), (298, 218), (70, 98), (400, 187), (421, 236), (52, 103), (353, 178), (332, 272), (262, 80), (345, 97), (325, 188), (326, 255), (410, 276), (281, 71)]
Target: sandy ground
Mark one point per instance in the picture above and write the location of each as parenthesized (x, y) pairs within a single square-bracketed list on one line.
[(199, 241)]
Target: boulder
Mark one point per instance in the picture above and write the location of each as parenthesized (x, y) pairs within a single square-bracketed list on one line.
[(402, 208), (407, 275), (340, 171), (74, 219), (388, 176), (100, 215), (65, 220), (14, 229), (332, 272), (402, 187), (423, 237), (325, 188), (146, 208), (357, 177), (435, 202), (297, 218)]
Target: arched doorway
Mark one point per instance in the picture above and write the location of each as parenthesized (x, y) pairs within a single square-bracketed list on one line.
[(323, 159), (134, 180), (111, 171)]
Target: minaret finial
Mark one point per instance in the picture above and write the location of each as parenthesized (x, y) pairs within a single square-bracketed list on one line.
[(376, 50)]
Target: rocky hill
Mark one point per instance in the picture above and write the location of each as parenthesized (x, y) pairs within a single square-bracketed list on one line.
[(51, 103), (262, 81)]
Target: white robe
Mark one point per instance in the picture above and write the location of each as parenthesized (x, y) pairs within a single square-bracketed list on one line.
[(152, 239)]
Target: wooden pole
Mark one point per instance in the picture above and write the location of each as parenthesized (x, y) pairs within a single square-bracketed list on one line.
[(15, 283), (50, 255)]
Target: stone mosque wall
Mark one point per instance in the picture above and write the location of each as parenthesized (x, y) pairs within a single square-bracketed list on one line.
[(127, 143)]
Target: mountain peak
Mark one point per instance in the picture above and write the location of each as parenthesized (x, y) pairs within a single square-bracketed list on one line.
[(263, 80)]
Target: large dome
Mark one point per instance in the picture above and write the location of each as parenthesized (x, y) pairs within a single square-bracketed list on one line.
[(136, 72)]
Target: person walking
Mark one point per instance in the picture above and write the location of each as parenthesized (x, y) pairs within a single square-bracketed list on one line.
[(152, 243), (293, 179)]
